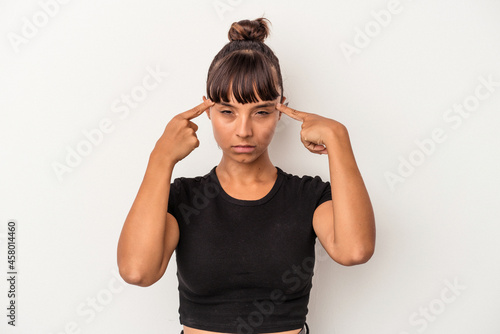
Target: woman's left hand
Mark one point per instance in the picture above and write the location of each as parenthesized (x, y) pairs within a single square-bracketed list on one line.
[(317, 131)]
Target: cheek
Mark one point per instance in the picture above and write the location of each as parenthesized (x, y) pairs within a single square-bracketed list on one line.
[(221, 129), (267, 128)]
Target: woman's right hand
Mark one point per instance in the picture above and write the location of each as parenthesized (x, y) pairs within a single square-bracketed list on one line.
[(179, 138)]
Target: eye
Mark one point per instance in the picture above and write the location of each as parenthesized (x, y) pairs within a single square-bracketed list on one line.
[(227, 112), (263, 113)]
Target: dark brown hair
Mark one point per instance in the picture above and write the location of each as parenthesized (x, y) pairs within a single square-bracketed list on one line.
[(245, 67)]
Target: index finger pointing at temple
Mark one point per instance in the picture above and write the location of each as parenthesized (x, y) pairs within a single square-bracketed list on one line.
[(198, 110), (295, 114)]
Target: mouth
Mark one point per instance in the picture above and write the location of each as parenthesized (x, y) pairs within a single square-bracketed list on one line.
[(243, 148)]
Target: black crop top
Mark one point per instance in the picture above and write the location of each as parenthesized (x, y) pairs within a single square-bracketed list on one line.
[(245, 266)]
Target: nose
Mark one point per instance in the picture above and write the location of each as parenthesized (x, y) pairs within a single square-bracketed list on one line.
[(244, 127)]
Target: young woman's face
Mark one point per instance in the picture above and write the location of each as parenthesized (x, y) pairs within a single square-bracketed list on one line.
[(244, 131)]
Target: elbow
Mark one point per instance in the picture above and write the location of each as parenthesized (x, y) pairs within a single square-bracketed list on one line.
[(358, 256), (362, 256), (135, 277), (134, 271)]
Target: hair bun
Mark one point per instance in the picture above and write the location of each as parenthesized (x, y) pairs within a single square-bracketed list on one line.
[(249, 30)]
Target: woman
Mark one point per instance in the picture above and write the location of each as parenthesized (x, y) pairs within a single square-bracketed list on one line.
[(244, 233)]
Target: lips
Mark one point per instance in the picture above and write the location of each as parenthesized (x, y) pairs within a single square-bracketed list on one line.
[(243, 148)]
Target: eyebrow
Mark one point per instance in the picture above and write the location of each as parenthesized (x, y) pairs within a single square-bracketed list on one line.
[(263, 105)]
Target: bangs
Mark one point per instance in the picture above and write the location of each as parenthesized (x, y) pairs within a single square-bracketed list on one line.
[(246, 75)]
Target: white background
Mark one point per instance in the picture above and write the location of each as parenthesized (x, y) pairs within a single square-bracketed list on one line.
[(437, 228)]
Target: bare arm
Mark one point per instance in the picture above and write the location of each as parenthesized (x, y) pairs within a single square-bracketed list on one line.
[(345, 226), (353, 229), (145, 247), (150, 234)]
